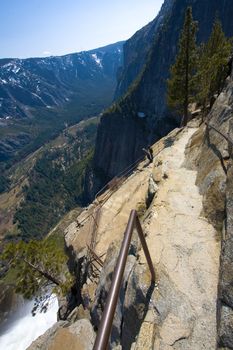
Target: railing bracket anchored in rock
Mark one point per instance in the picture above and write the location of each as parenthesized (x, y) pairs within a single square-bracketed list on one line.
[(104, 331)]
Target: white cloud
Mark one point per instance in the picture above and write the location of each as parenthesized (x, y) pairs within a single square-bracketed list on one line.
[(46, 53)]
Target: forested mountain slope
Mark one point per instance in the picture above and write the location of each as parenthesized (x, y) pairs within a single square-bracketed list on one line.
[(41, 96)]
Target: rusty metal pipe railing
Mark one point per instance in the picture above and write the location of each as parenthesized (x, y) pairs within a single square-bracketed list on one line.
[(105, 327), (95, 256), (219, 132), (124, 172)]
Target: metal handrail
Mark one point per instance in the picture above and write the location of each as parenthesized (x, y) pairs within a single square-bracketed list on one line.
[(124, 172), (95, 256), (105, 327), (219, 132)]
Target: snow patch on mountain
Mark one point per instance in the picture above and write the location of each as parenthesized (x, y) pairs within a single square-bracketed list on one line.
[(97, 60)]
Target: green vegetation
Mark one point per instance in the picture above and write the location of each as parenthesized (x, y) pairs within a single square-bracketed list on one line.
[(141, 209), (56, 184), (181, 83), (212, 66), (46, 124), (38, 268), (198, 74)]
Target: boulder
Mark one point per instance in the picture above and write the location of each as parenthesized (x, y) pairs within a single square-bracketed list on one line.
[(152, 190), (77, 314), (157, 174), (77, 336)]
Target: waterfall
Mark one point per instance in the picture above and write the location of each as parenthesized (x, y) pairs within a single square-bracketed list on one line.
[(25, 328)]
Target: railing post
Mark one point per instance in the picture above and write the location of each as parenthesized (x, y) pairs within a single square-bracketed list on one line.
[(105, 327), (145, 247), (227, 138)]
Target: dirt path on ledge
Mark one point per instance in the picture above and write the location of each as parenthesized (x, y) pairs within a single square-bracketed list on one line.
[(185, 252), (183, 246)]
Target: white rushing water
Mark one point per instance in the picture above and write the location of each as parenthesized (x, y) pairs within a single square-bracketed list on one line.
[(27, 328)]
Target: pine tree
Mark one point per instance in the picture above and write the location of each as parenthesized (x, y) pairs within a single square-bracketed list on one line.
[(40, 268), (181, 82), (213, 66)]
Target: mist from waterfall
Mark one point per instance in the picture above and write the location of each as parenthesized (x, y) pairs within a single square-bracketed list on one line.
[(25, 328)]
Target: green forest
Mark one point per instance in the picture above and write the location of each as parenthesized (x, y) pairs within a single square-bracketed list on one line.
[(55, 184), (199, 72)]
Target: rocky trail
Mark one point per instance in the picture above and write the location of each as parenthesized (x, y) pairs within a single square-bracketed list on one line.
[(180, 312), (185, 251)]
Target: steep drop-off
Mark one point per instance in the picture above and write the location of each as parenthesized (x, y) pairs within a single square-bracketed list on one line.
[(48, 183)]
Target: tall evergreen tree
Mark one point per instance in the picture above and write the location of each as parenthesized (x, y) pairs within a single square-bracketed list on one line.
[(213, 65), (40, 269), (181, 82)]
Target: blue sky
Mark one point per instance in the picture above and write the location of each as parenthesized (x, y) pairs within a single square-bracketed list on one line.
[(30, 28)]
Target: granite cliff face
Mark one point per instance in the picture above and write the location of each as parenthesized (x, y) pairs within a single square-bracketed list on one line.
[(136, 50), (142, 113)]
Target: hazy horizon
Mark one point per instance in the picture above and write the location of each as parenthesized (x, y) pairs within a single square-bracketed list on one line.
[(36, 29)]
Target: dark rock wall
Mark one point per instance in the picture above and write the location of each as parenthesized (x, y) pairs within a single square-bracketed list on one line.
[(226, 267), (118, 135), (136, 50), (148, 92)]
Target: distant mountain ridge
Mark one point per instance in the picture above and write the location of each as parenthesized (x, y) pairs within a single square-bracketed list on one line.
[(52, 81), (39, 97)]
